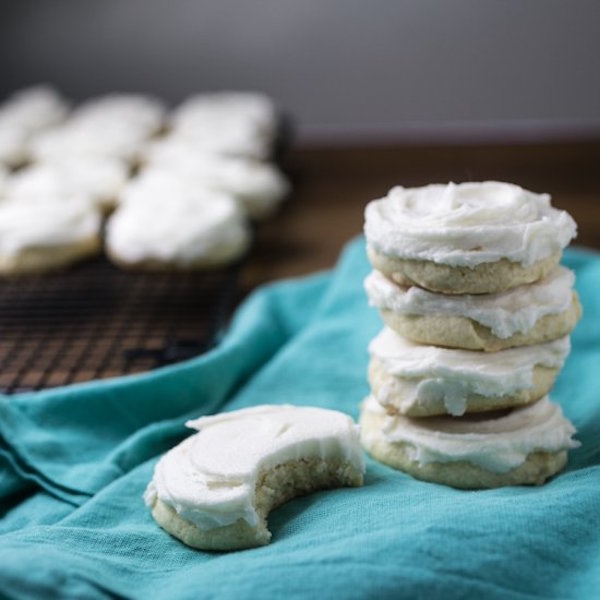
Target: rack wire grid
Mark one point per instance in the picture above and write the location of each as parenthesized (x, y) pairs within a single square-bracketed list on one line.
[(94, 321)]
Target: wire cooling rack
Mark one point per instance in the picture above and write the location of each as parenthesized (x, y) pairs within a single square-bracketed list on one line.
[(95, 321)]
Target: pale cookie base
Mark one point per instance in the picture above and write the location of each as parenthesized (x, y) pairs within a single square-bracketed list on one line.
[(485, 278), (274, 487), (538, 466), (51, 258), (219, 258), (462, 332), (390, 390)]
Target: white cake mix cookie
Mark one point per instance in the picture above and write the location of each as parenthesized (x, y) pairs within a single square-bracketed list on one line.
[(33, 109), (470, 238), (486, 450), (248, 107), (88, 140), (98, 181), (421, 381), (42, 236), (145, 114), (231, 123), (178, 227), (529, 314), (260, 187), (215, 490)]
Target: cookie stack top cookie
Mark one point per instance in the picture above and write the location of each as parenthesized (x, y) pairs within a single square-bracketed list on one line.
[(477, 315)]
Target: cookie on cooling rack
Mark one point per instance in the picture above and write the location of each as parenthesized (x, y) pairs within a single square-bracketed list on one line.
[(37, 237), (163, 223)]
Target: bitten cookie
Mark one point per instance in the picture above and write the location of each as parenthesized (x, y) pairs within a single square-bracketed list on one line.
[(526, 315), (43, 236), (215, 490), (523, 446), (422, 381), (172, 226), (470, 238)]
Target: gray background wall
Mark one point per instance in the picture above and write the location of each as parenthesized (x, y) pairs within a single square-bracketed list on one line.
[(344, 68)]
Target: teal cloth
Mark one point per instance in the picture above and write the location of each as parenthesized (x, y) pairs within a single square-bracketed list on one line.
[(74, 463)]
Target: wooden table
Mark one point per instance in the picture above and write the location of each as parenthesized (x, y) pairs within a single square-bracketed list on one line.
[(332, 186)]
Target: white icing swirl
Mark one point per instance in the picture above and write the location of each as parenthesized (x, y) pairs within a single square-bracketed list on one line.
[(32, 109), (429, 373), (259, 186), (505, 313), (49, 224), (74, 141), (231, 123), (467, 224), (210, 478), (162, 220), (144, 114), (498, 444), (98, 180)]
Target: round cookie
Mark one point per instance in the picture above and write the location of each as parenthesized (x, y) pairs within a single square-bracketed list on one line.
[(470, 238), (259, 187), (38, 237), (520, 447), (98, 181), (530, 314), (170, 225), (215, 490), (422, 381)]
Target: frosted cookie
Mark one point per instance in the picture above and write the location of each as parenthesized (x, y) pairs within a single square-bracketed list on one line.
[(42, 236), (88, 140), (530, 314), (4, 177), (243, 107), (523, 446), (421, 381), (32, 110), (98, 181), (215, 490), (231, 123), (145, 114), (470, 238), (176, 227), (260, 187)]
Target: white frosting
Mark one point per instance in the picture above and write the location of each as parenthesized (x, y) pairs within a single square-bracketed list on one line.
[(89, 139), (249, 107), (505, 313), (428, 374), (467, 224), (259, 186), (4, 175), (497, 444), (145, 114), (210, 478), (231, 123), (13, 146), (53, 223), (161, 219), (99, 180), (32, 109)]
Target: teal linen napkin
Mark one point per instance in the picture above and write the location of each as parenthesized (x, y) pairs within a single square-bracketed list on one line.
[(74, 463)]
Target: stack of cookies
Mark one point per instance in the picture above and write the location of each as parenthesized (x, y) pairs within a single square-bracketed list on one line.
[(477, 315)]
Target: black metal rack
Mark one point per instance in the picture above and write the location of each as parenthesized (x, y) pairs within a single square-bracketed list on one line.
[(94, 321)]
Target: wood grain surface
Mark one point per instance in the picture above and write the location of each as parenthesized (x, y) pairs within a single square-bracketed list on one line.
[(332, 186)]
